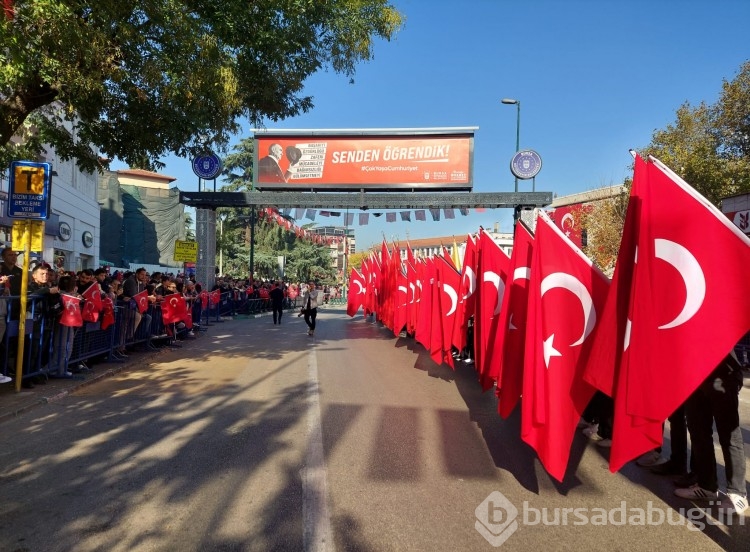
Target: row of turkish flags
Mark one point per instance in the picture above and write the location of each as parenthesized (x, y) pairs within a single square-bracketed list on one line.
[(550, 327)]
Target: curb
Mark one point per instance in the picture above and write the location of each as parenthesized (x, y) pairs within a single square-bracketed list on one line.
[(95, 377)]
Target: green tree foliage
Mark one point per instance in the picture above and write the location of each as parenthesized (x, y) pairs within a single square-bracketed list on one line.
[(137, 79), (709, 145)]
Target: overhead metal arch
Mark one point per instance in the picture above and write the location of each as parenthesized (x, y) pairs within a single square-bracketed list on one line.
[(207, 202), (366, 200)]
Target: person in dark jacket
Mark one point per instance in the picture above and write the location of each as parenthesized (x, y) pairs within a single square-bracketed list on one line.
[(277, 302)]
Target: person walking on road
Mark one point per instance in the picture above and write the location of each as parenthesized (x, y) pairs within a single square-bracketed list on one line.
[(310, 300), (277, 302)]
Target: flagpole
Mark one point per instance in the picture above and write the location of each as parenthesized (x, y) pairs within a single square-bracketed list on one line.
[(346, 253)]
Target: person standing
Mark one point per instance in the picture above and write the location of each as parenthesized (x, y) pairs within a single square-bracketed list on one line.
[(716, 402), (277, 302), (310, 298)]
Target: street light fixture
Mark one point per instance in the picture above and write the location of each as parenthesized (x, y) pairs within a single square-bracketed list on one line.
[(517, 103)]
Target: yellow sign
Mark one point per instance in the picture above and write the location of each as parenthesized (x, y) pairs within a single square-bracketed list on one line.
[(28, 180), (20, 234), (185, 251)]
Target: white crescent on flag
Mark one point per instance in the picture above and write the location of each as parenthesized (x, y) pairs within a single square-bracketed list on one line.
[(448, 289), (692, 274), (496, 281)]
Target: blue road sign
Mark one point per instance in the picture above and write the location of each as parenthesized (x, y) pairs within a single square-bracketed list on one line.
[(29, 191)]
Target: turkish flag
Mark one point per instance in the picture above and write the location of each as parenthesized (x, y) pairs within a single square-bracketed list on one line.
[(447, 257), (204, 300), (683, 315), (173, 308), (511, 336), (466, 296), (494, 265), (141, 301), (93, 304), (424, 317), (71, 312), (450, 284), (108, 313), (356, 295), (411, 307), (566, 291), (93, 293), (401, 303), (215, 297)]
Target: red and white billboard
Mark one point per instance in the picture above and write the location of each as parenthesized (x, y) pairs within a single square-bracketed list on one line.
[(369, 161)]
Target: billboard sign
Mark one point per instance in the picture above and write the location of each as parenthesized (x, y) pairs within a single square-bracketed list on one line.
[(440, 161)]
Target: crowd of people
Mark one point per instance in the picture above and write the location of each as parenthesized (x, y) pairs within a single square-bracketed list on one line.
[(98, 295)]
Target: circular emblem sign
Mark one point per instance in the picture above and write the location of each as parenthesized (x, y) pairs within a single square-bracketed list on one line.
[(64, 231), (207, 166), (525, 164), (87, 238)]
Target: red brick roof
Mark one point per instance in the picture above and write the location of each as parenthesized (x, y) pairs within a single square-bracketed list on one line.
[(147, 174)]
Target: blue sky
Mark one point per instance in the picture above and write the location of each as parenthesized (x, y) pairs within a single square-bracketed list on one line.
[(594, 78)]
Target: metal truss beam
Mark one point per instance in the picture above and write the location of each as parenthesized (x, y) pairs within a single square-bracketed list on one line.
[(365, 200)]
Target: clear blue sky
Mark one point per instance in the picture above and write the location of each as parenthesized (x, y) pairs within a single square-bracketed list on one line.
[(594, 77)]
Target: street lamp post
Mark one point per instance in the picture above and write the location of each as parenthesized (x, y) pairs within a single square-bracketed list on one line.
[(517, 103), (250, 219), (252, 241)]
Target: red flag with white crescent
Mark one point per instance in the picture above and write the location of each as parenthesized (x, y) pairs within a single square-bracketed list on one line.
[(141, 301), (108, 313), (173, 308), (71, 312), (566, 296), (356, 295)]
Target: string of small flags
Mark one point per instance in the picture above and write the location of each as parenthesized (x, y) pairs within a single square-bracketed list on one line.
[(363, 219)]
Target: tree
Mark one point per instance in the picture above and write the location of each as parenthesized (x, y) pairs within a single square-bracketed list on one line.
[(89, 77), (603, 221), (356, 259), (709, 145)]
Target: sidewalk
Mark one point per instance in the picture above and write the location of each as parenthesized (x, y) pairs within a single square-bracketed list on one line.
[(13, 404)]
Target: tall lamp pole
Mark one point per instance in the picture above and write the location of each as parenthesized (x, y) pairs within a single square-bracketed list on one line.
[(517, 103), (252, 241)]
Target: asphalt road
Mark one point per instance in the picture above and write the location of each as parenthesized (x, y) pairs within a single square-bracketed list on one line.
[(258, 437)]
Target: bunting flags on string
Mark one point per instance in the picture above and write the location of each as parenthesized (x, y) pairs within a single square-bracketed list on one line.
[(364, 218), (406, 216), (310, 214), (449, 214), (390, 217), (348, 219), (419, 215), (435, 214)]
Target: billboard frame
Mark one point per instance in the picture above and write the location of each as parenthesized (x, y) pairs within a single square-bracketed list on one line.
[(428, 149)]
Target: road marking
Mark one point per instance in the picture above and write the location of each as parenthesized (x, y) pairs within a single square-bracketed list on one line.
[(317, 536)]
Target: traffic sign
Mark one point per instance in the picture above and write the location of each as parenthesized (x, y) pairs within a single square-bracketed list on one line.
[(29, 191), (185, 251)]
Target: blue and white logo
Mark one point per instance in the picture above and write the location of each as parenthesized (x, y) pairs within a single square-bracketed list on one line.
[(526, 164), (207, 166)]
